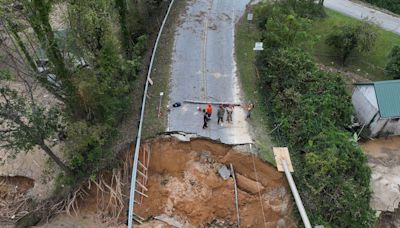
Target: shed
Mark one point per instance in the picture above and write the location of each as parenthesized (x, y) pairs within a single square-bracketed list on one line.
[(377, 107)]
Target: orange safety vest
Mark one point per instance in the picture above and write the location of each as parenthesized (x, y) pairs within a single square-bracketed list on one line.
[(209, 109)]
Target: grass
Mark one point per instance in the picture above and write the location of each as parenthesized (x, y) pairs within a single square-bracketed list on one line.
[(153, 124), (369, 65), (246, 36)]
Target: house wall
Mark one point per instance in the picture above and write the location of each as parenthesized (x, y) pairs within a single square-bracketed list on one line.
[(366, 108), (364, 102), (385, 127)]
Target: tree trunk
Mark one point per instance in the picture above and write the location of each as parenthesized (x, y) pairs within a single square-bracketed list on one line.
[(344, 57), (49, 152)]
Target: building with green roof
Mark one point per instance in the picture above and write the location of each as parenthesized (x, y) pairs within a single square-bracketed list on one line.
[(377, 107)]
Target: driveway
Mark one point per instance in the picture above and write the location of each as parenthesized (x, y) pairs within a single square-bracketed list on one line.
[(204, 69), (384, 20)]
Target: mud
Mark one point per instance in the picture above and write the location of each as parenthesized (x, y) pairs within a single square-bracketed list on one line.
[(184, 184), (384, 160)]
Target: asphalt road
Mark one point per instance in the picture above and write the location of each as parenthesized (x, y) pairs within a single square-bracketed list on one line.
[(384, 20), (204, 69)]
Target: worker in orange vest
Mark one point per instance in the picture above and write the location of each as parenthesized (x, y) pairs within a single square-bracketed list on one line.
[(209, 110)]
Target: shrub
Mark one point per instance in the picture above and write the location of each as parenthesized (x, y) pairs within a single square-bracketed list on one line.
[(392, 5), (392, 68), (348, 38)]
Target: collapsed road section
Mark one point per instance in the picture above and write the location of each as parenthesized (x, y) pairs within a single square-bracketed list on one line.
[(187, 186)]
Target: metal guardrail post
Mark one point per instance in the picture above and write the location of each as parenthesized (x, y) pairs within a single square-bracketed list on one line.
[(138, 139)]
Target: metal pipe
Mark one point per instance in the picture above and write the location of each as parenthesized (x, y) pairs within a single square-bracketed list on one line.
[(138, 139), (236, 196), (296, 195)]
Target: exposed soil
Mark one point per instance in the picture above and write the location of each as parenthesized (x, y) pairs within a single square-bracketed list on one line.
[(184, 184), (13, 199), (14, 185), (349, 77)]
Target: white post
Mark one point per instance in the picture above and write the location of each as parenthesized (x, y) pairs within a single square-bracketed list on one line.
[(159, 106), (296, 195)]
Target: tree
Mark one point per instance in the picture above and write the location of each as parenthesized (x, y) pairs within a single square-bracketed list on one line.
[(283, 27), (26, 125), (392, 68), (348, 38)]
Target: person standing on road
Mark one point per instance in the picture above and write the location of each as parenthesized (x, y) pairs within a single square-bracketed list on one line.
[(220, 114), (250, 108), (209, 110), (205, 119), (229, 111)]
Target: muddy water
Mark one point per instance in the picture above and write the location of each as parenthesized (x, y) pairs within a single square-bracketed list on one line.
[(384, 160)]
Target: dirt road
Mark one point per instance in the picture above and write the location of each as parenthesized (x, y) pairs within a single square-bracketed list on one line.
[(204, 69)]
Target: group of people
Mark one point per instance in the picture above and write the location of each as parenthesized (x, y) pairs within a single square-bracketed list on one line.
[(228, 108)]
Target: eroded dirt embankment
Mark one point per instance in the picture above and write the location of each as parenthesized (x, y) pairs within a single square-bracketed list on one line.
[(184, 184)]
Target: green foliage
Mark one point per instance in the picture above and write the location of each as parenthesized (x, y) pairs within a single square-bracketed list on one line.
[(392, 68), (26, 125), (38, 16), (347, 38), (84, 147), (336, 169), (5, 74), (306, 8), (125, 38), (282, 27), (392, 5), (94, 72), (312, 109)]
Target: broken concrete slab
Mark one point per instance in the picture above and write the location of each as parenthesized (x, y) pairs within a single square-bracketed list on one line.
[(181, 137)]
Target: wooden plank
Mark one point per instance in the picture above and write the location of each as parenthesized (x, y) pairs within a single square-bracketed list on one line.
[(282, 153), (140, 163), (142, 186), (141, 193), (142, 174)]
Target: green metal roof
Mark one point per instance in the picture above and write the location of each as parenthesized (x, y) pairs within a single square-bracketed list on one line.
[(388, 98)]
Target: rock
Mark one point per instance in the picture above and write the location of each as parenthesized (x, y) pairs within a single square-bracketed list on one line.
[(169, 220), (205, 157), (248, 185), (281, 224), (224, 172)]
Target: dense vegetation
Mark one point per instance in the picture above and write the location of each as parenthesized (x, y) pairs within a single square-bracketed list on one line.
[(392, 5), (369, 65), (90, 69), (392, 69), (350, 37), (310, 110)]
